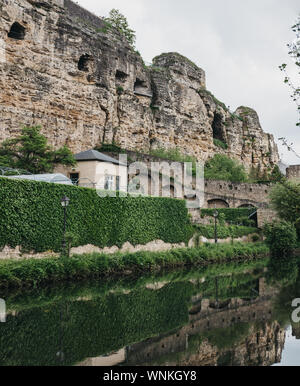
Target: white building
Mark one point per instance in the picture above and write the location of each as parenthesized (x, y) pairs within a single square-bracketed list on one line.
[(97, 170)]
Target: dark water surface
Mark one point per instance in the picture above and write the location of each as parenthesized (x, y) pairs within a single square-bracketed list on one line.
[(237, 314)]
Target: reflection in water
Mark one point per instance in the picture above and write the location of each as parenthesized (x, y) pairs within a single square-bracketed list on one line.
[(218, 315)]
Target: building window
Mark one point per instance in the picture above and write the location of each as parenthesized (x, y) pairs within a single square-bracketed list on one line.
[(109, 182), (17, 31), (74, 177)]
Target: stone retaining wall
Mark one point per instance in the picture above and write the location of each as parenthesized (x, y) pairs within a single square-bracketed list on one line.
[(154, 246)]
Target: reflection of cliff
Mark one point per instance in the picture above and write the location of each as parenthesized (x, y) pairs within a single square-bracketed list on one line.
[(241, 332), (296, 331)]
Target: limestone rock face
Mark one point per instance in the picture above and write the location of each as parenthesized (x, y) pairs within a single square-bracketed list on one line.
[(62, 68)]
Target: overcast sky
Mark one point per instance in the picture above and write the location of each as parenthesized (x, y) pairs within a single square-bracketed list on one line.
[(239, 43)]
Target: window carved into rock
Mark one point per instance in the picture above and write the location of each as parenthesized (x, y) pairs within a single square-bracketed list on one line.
[(141, 88), (121, 76), (84, 63), (17, 32)]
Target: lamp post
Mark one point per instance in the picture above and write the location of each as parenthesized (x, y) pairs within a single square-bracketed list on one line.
[(216, 215), (65, 202)]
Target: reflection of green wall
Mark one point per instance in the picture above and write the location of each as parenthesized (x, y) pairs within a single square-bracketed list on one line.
[(285, 274), (109, 321), (92, 328), (237, 286)]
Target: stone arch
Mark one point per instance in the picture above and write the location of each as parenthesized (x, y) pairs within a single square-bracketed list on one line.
[(218, 203), (17, 31), (247, 206), (84, 63)]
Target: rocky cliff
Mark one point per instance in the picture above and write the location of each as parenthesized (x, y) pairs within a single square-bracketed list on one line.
[(63, 68)]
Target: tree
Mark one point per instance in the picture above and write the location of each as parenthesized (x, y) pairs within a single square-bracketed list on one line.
[(220, 167), (285, 199), (119, 21), (276, 175), (294, 53), (31, 152), (281, 237)]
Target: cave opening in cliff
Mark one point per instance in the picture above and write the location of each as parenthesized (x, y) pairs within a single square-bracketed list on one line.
[(84, 62), (217, 126), (17, 31), (139, 86), (121, 76)]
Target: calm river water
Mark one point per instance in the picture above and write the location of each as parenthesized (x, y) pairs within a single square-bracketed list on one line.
[(236, 314)]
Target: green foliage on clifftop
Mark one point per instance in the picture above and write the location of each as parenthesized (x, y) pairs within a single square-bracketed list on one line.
[(221, 167)]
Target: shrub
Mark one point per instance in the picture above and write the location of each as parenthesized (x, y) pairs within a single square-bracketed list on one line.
[(220, 144), (120, 90), (232, 215), (224, 232), (281, 237), (285, 199), (174, 155), (221, 167), (255, 238), (32, 217), (111, 148)]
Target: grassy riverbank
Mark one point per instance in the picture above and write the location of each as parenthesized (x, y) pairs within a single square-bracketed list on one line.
[(34, 272)]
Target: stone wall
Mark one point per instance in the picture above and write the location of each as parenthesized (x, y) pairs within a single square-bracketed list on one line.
[(293, 173), (265, 216), (236, 195), (85, 85), (223, 194), (153, 246)]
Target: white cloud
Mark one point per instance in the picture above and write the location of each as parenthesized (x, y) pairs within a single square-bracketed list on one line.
[(239, 44)]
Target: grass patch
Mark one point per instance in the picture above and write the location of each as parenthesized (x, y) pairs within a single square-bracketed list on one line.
[(203, 92), (33, 272), (220, 144)]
